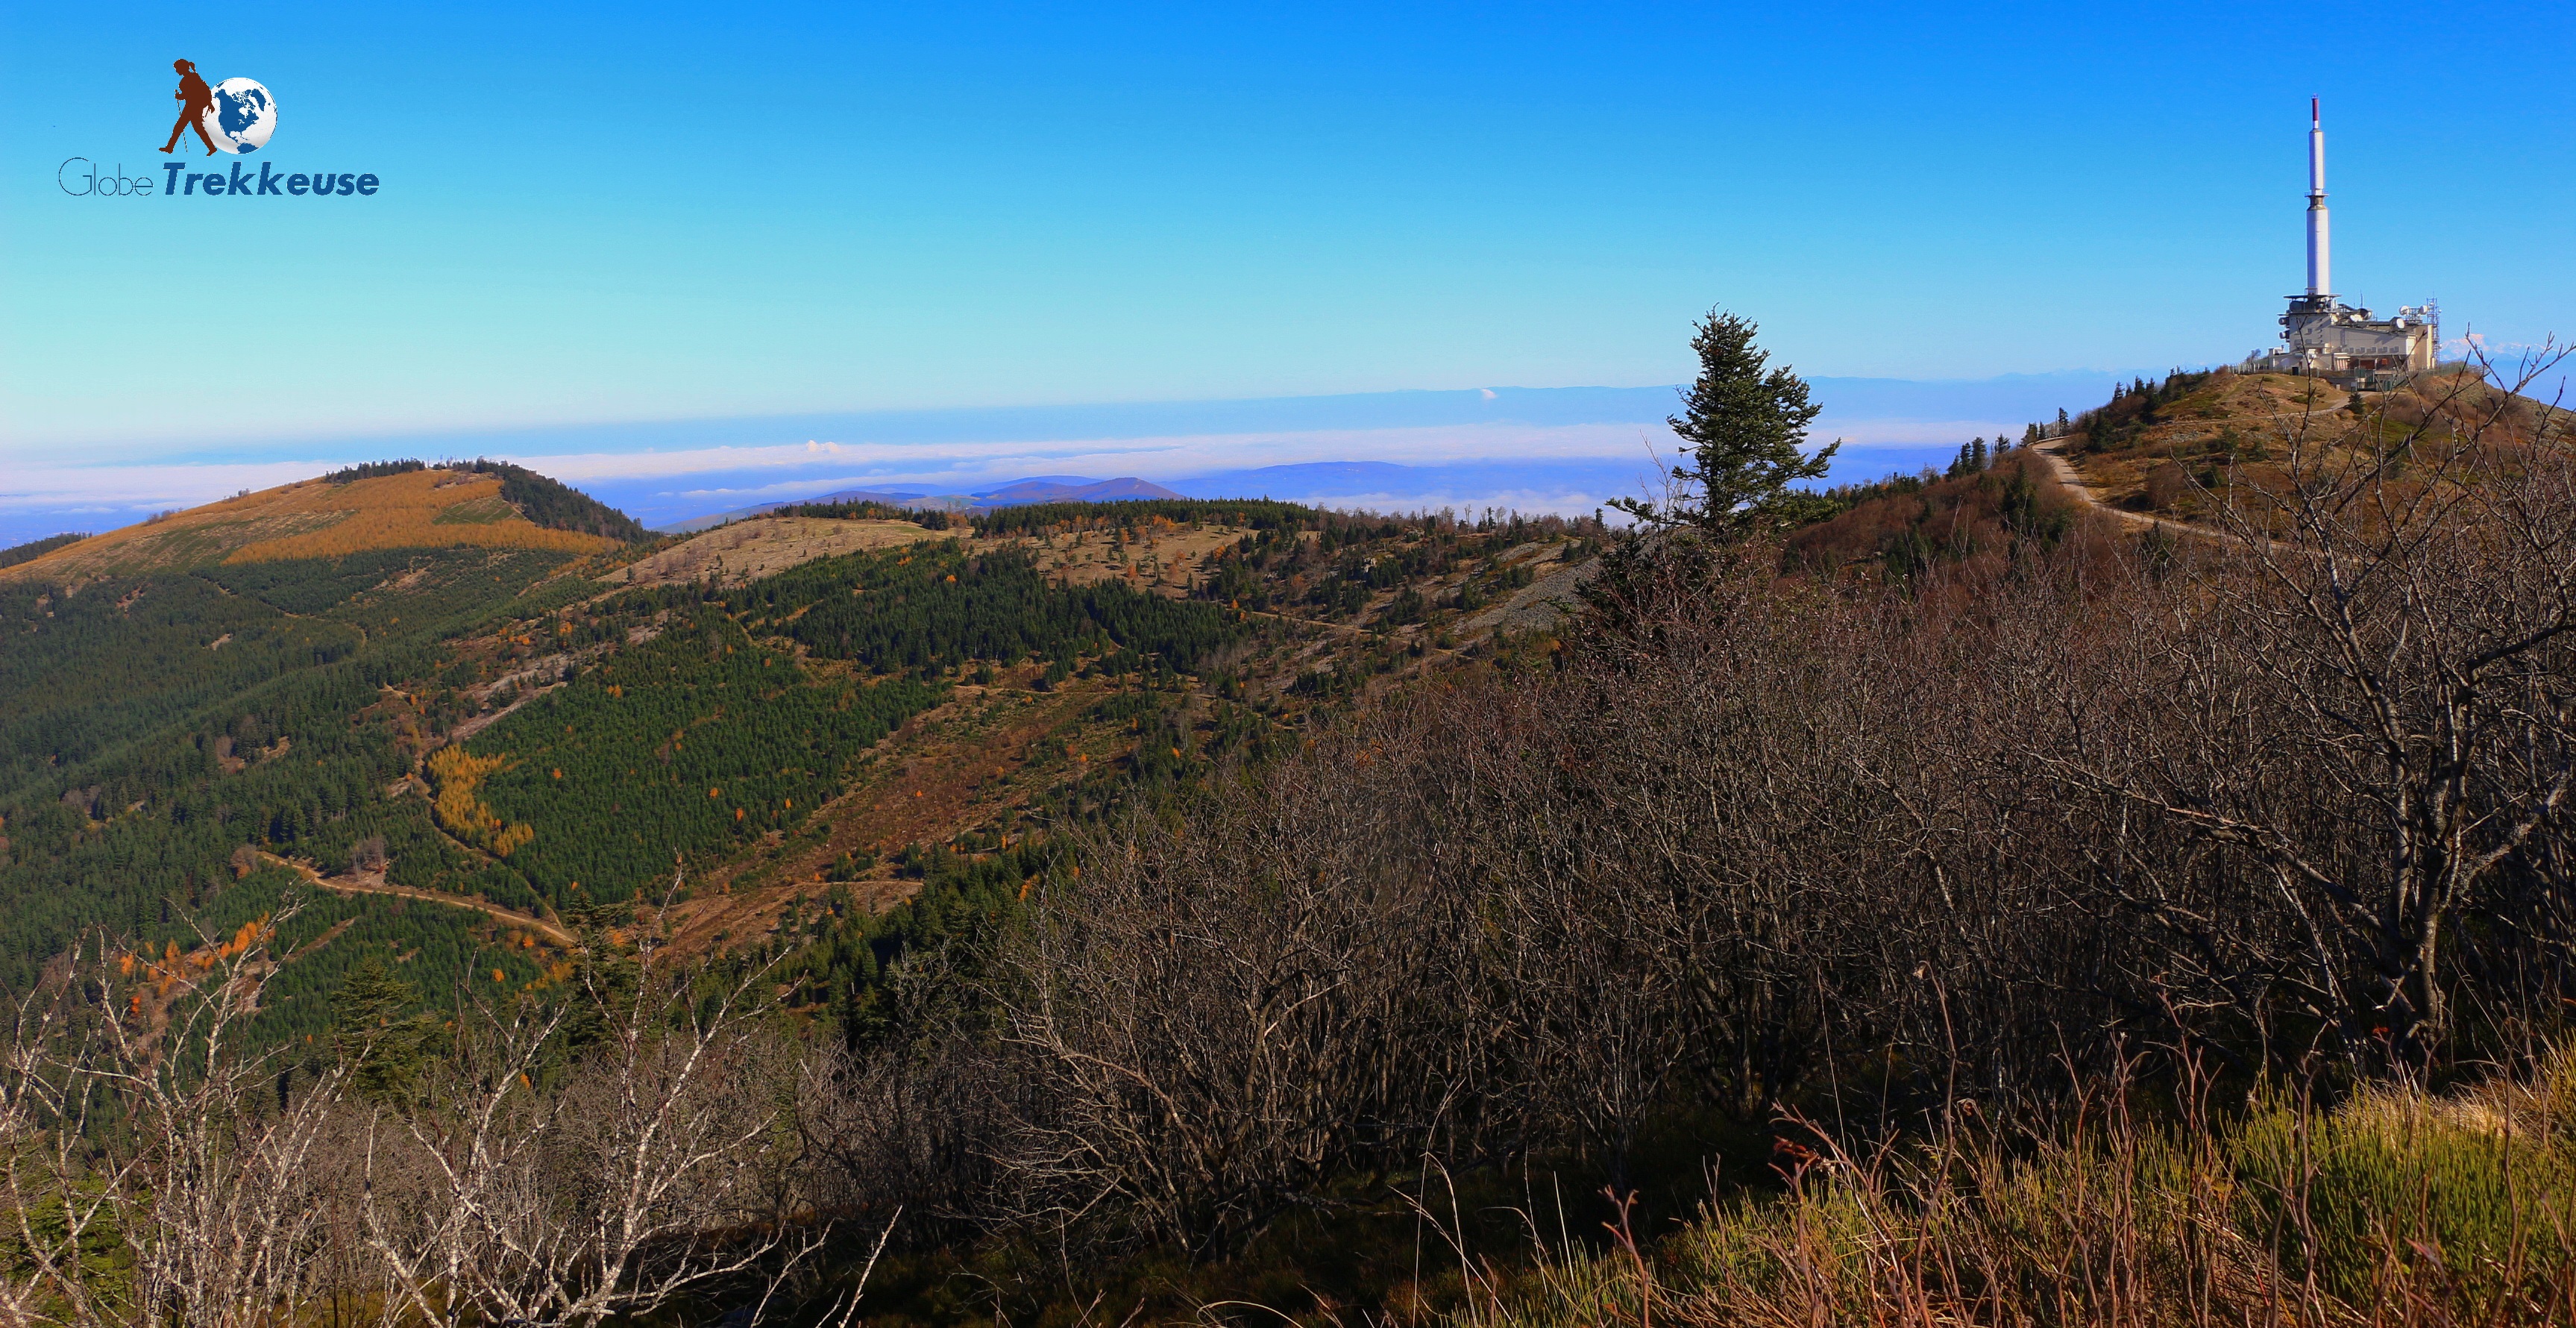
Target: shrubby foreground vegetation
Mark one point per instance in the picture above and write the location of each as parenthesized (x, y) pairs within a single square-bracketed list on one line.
[(1931, 906)]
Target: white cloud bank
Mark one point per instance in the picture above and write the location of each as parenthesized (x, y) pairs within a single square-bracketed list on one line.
[(668, 473)]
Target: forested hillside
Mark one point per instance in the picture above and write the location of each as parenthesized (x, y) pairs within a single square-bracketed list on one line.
[(496, 728), (158, 729), (687, 746), (557, 506), (184, 702)]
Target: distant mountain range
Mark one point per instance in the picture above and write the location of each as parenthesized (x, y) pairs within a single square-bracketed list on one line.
[(1017, 493), (1378, 485), (1552, 484), (1531, 449)]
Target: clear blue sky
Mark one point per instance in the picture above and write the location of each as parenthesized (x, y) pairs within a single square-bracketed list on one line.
[(639, 212)]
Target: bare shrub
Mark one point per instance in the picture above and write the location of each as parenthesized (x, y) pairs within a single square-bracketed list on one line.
[(1755, 842), (605, 1155), (907, 1125), (2324, 751), (1911, 853), (2167, 484), (1216, 1018), (650, 1171), (133, 1121)]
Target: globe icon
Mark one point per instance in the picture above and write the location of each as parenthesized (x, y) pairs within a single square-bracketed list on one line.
[(242, 117)]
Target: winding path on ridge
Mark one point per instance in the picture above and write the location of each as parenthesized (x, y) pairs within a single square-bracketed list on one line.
[(2073, 483), (378, 885)]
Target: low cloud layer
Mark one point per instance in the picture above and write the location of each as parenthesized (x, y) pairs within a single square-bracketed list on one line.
[(1536, 450)]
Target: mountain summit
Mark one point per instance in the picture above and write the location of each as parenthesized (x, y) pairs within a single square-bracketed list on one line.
[(363, 509)]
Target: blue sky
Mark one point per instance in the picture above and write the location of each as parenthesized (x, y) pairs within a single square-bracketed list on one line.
[(597, 215)]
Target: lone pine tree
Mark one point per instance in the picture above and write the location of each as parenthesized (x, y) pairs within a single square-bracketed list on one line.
[(1743, 424)]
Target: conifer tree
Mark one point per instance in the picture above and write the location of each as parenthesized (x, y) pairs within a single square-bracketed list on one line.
[(377, 1030), (1742, 426)]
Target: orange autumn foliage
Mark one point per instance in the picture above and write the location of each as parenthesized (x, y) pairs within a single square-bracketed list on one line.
[(314, 518), (456, 771), (402, 511)]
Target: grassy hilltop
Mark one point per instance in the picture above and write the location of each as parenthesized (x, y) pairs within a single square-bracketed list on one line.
[(2186, 446), (415, 508)]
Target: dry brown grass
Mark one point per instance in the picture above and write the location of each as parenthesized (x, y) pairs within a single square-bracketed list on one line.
[(426, 509), (403, 511), (2235, 431), (749, 550), (1164, 557), (313, 519)]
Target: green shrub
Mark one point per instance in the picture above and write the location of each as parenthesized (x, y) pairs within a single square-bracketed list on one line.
[(2395, 1207), (2458, 1188)]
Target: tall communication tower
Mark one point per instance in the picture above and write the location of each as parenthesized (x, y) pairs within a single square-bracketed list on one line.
[(2320, 280), (2327, 337)]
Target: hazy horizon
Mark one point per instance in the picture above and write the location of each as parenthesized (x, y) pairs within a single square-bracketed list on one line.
[(1530, 449)]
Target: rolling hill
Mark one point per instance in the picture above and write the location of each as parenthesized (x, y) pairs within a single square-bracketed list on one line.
[(2175, 449), (473, 688), (1071, 489), (484, 505)]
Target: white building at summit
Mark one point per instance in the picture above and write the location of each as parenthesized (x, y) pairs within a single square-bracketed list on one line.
[(2329, 338)]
